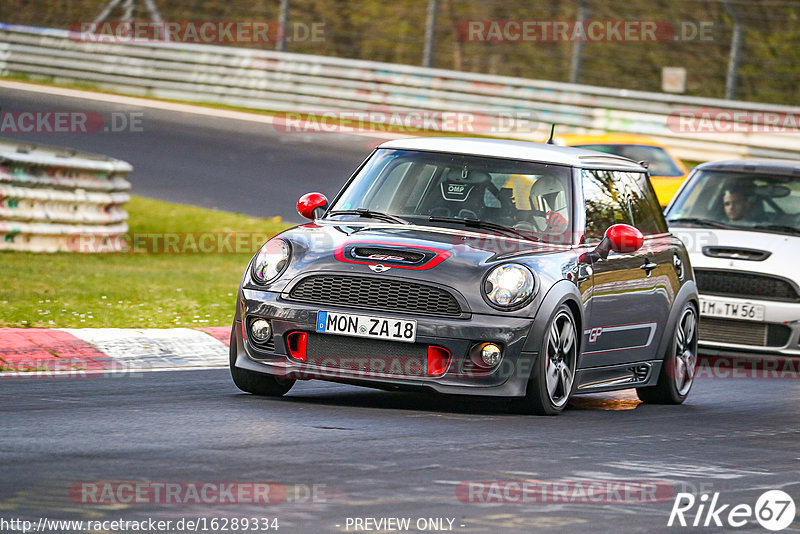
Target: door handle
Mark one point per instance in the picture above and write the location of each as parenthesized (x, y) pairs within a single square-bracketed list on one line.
[(648, 267), (584, 272)]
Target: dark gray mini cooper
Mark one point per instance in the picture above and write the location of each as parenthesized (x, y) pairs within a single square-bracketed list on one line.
[(475, 267)]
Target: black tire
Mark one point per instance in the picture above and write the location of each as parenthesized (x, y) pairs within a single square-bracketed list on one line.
[(558, 359), (677, 372), (256, 383)]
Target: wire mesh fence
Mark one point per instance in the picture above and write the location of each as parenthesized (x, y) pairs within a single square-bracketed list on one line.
[(741, 49)]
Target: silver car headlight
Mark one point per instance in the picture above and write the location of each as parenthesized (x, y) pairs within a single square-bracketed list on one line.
[(271, 261), (509, 285)]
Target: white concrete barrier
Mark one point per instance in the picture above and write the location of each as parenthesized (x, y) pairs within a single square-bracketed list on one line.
[(269, 80), (51, 198)]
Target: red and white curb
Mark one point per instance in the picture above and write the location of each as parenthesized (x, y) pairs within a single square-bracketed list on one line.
[(31, 352)]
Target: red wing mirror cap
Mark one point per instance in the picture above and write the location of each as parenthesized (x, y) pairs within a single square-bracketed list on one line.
[(309, 203), (624, 238)]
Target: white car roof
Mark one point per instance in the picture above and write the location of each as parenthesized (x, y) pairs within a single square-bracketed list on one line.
[(769, 166), (518, 150)]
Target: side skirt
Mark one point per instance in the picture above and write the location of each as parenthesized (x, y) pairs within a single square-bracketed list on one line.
[(615, 377)]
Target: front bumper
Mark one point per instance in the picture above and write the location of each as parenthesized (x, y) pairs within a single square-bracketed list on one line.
[(508, 379), (777, 335)]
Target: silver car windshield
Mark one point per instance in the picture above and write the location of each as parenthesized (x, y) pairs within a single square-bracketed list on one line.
[(427, 187), (742, 200)]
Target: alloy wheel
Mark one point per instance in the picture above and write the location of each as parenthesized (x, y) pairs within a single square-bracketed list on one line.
[(685, 358), (561, 355)]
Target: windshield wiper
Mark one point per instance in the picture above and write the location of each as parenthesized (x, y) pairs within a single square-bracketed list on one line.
[(778, 228), (364, 212), (701, 222), (477, 223)]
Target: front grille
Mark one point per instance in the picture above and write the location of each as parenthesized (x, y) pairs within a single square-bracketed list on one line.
[(736, 332), (734, 284), (376, 294), (743, 332), (368, 356)]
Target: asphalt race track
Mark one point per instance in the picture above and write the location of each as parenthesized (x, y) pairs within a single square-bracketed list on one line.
[(212, 162), (379, 454), (335, 454)]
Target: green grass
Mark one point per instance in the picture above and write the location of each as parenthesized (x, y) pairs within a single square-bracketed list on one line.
[(153, 290)]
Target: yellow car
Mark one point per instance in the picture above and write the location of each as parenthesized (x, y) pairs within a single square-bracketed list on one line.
[(666, 171)]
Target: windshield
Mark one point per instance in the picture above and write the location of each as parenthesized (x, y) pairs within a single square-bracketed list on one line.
[(425, 187), (661, 163), (740, 200)]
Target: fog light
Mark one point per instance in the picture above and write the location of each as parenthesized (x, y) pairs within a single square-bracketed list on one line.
[(490, 354), (261, 330)]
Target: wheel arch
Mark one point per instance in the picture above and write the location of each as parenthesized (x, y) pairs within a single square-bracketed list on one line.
[(562, 292), (577, 314), (686, 294)]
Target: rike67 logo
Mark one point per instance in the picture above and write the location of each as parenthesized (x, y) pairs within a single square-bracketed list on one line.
[(774, 510)]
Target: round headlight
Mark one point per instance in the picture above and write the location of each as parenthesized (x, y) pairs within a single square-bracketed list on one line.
[(271, 260), (509, 285)]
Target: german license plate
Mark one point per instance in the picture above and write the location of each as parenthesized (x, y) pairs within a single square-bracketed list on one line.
[(347, 324), (748, 311)]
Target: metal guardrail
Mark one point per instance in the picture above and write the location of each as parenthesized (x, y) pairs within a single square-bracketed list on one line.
[(54, 199), (270, 80)]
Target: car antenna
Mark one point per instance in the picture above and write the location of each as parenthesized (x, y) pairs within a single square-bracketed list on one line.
[(552, 130)]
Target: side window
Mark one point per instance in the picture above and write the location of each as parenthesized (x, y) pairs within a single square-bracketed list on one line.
[(646, 212), (604, 194)]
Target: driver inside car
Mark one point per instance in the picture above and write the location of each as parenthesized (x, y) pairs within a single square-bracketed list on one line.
[(737, 206), (548, 196)]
